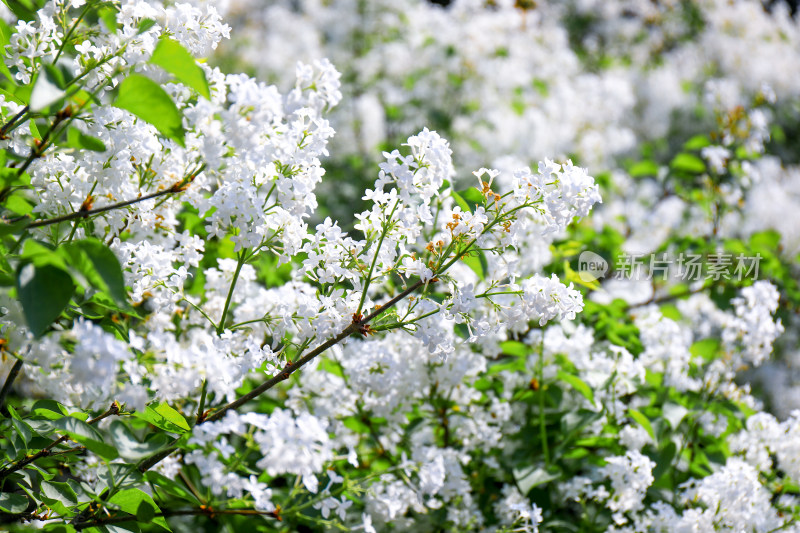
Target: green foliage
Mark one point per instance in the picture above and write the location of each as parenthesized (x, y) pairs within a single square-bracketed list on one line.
[(44, 291), (147, 100), (175, 59)]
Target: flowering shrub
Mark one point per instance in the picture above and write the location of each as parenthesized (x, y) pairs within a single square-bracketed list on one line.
[(190, 342)]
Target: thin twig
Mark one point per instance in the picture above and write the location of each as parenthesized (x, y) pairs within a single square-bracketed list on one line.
[(178, 187), (38, 149), (13, 120), (86, 213)]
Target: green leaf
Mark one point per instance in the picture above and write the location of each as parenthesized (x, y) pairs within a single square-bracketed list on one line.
[(77, 139), (84, 434), (140, 504), (471, 198), (22, 9), (12, 95), (41, 254), (170, 487), (519, 349), (35, 130), (147, 100), (671, 311), (642, 421), (18, 205), (575, 420), (643, 168), (569, 248), (697, 142), (674, 414), (53, 527), (664, 459), (688, 163), (83, 98), (165, 417), (10, 176), (44, 292), (769, 240), (49, 409), (60, 492), (128, 445), (145, 25), (12, 502), (5, 37), (109, 17), (355, 424), (175, 59), (48, 89), (13, 413), (476, 261), (528, 479), (43, 426), (13, 229), (23, 430), (118, 476), (119, 527), (98, 263), (578, 384), (460, 202), (706, 348)]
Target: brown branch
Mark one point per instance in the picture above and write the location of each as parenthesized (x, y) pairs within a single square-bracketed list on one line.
[(41, 145), (12, 375), (86, 213), (45, 452), (11, 122)]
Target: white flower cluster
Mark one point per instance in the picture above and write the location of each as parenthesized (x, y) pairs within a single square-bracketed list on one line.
[(545, 299), (88, 372), (434, 383), (751, 331), (287, 444), (765, 438), (630, 475), (732, 499), (250, 166)]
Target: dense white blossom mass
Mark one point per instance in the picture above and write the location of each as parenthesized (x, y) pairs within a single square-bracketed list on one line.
[(430, 360)]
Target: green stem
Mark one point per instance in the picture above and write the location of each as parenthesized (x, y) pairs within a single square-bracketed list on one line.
[(488, 294), (202, 405), (405, 323), (71, 30), (239, 265), (264, 320), (367, 281), (467, 248)]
